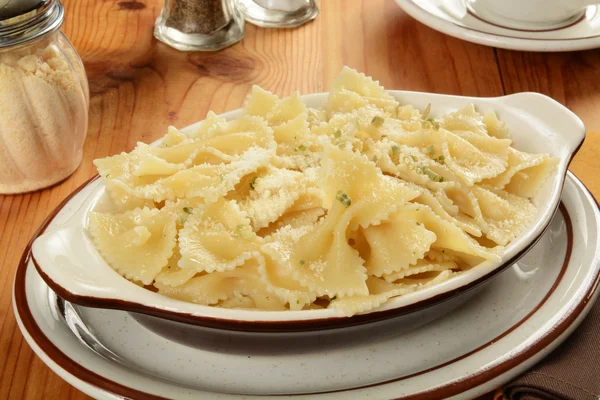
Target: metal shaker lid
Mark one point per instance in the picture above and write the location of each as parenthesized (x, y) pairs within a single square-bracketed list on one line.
[(25, 20)]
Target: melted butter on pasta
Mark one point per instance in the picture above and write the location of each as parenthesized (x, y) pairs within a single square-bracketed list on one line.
[(208, 289), (137, 243), (396, 244), (217, 237), (295, 208), (271, 195)]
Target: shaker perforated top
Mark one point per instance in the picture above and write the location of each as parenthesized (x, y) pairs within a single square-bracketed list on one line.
[(25, 20)]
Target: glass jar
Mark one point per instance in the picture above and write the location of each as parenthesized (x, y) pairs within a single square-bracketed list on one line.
[(44, 98), (199, 25)]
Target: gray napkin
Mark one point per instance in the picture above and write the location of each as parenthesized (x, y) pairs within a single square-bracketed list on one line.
[(570, 372)]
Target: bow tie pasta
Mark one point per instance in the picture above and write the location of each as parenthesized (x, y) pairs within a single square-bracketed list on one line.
[(296, 208)]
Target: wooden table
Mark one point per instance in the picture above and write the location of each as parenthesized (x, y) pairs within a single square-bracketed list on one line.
[(140, 86)]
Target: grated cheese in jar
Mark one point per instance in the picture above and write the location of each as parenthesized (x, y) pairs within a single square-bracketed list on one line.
[(43, 118)]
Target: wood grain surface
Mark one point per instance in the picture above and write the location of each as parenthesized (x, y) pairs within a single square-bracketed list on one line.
[(140, 86)]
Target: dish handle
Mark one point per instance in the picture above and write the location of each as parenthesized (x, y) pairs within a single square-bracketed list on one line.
[(552, 114), (67, 260)]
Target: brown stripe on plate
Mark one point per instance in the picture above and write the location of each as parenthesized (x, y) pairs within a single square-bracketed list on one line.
[(450, 389)]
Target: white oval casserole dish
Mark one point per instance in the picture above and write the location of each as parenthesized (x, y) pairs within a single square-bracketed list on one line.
[(67, 260)]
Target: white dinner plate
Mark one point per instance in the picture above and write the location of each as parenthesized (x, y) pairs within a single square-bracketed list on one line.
[(455, 18), (510, 324)]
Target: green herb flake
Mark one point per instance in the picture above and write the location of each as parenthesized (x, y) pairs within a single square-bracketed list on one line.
[(440, 160), (430, 149), (414, 158), (337, 133), (187, 210), (343, 198), (430, 124), (302, 262), (426, 112), (430, 174), (107, 176), (253, 182), (418, 224), (302, 147), (377, 121), (395, 149)]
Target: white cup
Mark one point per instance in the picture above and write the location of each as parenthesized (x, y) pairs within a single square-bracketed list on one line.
[(530, 14)]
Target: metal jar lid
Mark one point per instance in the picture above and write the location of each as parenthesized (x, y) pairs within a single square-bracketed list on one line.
[(25, 20)]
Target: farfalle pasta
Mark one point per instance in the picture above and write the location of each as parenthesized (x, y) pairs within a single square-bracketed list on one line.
[(296, 208)]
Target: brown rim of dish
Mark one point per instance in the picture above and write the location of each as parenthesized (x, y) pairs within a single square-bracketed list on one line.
[(270, 326), (447, 390), (259, 325), (265, 326), (499, 34)]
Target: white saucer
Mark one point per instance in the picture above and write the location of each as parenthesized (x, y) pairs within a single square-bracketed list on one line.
[(509, 325), (454, 18)]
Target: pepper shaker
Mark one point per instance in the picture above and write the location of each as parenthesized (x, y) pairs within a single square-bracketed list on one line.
[(199, 25)]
